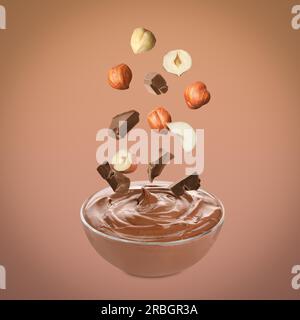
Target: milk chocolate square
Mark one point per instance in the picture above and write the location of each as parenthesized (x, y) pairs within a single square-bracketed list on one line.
[(155, 83), (191, 182), (122, 123), (155, 168), (117, 180)]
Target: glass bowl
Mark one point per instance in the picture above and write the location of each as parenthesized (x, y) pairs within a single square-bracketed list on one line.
[(149, 259)]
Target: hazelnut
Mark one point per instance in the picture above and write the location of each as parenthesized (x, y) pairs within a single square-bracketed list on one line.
[(142, 40), (185, 132), (123, 161), (158, 118), (119, 77), (177, 61), (196, 95)]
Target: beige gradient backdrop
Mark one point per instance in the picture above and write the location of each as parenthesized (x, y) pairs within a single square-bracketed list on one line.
[(54, 57)]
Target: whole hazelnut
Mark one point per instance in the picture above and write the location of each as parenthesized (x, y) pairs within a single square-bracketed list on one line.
[(158, 118), (196, 95), (119, 77)]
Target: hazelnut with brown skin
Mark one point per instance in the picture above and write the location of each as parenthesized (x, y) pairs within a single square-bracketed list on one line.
[(196, 95), (158, 118), (120, 76)]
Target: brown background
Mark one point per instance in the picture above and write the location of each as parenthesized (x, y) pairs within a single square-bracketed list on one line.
[(54, 57)]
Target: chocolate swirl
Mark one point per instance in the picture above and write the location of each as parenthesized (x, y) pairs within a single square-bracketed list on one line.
[(154, 214)]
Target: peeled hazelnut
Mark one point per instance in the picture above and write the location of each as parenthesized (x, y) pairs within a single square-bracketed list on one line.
[(196, 95), (123, 162), (177, 61), (119, 77), (142, 40), (158, 118)]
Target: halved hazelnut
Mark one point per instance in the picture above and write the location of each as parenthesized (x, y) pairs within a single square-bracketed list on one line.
[(185, 132), (123, 161), (177, 61)]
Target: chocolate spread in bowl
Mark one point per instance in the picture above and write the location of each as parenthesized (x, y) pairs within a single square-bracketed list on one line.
[(154, 214)]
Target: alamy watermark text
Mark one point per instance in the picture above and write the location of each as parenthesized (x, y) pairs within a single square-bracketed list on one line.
[(296, 277), (296, 17), (2, 278), (2, 17)]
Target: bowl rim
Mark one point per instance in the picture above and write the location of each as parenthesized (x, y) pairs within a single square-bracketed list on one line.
[(151, 243)]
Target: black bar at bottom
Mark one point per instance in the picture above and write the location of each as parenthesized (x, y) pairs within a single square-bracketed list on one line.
[(142, 309)]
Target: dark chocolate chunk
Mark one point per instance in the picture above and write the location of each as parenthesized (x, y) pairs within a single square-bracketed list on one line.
[(191, 182), (155, 83), (117, 180), (104, 170), (155, 168), (122, 123)]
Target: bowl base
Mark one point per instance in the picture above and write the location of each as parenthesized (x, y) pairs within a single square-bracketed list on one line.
[(151, 277)]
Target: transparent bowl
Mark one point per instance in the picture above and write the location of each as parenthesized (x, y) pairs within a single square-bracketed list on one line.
[(149, 259)]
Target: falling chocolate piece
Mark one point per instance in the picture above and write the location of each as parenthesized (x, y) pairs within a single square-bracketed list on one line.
[(104, 170), (155, 83), (118, 181), (155, 168), (191, 182), (122, 123)]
